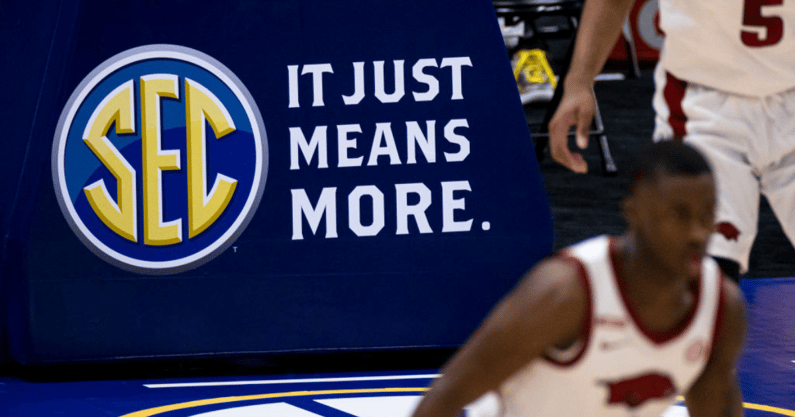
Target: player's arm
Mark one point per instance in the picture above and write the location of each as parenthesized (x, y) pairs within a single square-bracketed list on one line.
[(600, 26), (546, 308), (717, 392)]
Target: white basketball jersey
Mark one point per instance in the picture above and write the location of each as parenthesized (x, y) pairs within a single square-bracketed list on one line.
[(621, 367), (736, 46)]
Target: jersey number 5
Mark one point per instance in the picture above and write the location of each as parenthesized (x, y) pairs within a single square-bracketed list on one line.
[(773, 25)]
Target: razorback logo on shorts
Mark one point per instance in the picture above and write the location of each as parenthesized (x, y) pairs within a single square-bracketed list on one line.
[(159, 159), (728, 230)]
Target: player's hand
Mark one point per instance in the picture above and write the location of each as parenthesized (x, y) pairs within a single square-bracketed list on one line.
[(576, 109)]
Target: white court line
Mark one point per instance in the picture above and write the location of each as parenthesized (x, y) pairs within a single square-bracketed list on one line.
[(290, 381), (611, 76)]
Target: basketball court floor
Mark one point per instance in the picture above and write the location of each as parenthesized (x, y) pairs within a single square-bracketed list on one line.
[(766, 372)]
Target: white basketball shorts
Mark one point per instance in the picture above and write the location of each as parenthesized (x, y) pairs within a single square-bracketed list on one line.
[(750, 143)]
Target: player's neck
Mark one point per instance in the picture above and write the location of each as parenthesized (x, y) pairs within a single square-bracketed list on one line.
[(661, 298), (645, 276)]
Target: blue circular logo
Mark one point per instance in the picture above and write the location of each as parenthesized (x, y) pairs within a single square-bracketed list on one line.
[(159, 159)]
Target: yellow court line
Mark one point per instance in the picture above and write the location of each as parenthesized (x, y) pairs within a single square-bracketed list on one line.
[(768, 408), (760, 407), (221, 400), (198, 403)]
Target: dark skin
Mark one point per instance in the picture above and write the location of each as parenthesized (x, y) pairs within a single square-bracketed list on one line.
[(670, 220), (600, 26)]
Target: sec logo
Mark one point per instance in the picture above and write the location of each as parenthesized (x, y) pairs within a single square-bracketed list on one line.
[(159, 159)]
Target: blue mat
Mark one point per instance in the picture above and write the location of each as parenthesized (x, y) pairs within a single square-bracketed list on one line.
[(766, 372)]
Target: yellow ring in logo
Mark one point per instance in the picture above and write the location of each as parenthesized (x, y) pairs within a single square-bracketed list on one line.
[(221, 400), (198, 403)]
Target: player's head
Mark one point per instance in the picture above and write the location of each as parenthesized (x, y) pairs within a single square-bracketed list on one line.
[(669, 204), (665, 158)]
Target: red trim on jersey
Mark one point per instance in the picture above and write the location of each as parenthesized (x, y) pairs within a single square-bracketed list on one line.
[(654, 335), (566, 256), (674, 93), (716, 332)]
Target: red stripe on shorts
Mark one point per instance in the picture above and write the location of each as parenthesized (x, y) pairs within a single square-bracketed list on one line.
[(674, 92)]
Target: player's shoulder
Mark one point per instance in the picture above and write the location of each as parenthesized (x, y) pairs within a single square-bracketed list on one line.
[(559, 270), (556, 294), (569, 266), (562, 277), (593, 246)]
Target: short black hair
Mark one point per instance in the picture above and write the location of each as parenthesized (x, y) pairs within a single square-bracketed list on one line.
[(669, 157)]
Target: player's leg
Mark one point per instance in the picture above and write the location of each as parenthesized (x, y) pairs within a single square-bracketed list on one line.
[(779, 188), (778, 181), (716, 124), (737, 212)]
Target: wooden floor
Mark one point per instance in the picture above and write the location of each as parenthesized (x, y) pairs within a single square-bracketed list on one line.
[(767, 376)]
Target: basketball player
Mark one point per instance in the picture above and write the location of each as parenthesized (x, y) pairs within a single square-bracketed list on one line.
[(725, 83), (613, 326)]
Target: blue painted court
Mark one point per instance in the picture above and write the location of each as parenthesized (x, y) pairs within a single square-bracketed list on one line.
[(767, 376)]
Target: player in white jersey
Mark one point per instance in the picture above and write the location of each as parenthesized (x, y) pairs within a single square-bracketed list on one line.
[(726, 84), (613, 326)]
